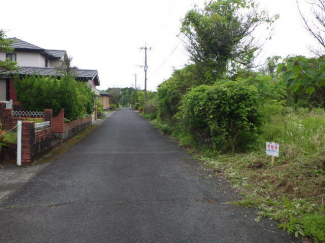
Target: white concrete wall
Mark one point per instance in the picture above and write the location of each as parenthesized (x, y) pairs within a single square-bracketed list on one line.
[(2, 56), (53, 63), (3, 90), (28, 59), (91, 84)]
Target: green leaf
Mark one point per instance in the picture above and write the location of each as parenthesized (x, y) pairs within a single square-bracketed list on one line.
[(280, 68), (310, 90), (304, 65), (311, 73), (305, 82), (288, 75)]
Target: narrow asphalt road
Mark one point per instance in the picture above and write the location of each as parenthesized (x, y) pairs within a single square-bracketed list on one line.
[(127, 183)]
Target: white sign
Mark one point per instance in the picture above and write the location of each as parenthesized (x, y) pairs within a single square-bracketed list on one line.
[(272, 149)]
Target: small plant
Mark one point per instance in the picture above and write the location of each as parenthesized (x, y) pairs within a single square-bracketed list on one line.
[(163, 127), (310, 225), (149, 116)]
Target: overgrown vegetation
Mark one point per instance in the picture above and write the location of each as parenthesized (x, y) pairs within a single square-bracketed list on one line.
[(37, 93), (224, 111)]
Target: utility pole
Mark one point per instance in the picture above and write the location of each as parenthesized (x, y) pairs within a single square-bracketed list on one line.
[(145, 73), (135, 90)]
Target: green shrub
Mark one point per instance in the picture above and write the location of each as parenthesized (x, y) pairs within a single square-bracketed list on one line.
[(164, 127), (100, 110), (37, 93), (224, 116), (171, 91), (310, 225), (149, 116)]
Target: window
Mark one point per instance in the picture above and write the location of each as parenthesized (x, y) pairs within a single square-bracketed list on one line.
[(46, 62), (12, 57)]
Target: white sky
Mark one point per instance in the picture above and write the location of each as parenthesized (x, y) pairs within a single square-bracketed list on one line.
[(106, 34)]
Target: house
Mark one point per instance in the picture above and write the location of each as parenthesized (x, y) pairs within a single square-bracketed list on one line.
[(104, 99), (36, 60)]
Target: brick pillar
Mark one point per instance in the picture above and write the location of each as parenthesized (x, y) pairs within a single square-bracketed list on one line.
[(28, 137), (17, 106), (48, 114), (2, 106), (6, 120), (57, 123)]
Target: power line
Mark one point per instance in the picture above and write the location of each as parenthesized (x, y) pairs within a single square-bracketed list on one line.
[(167, 58)]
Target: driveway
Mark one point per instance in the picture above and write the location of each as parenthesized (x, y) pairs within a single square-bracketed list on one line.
[(125, 182)]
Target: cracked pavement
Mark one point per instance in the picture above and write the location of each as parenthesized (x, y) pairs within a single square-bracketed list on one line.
[(127, 183)]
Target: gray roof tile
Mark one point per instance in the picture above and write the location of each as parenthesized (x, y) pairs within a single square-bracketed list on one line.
[(104, 93), (80, 73), (55, 53), (20, 44)]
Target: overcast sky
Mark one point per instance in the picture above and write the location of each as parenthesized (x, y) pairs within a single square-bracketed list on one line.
[(106, 34)]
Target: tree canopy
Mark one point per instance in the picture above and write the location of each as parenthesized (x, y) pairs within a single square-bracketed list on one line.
[(219, 37), (5, 46)]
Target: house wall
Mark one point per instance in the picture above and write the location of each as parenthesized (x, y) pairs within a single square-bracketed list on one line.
[(53, 63), (12, 91), (3, 90), (30, 59), (92, 84), (105, 101), (2, 56)]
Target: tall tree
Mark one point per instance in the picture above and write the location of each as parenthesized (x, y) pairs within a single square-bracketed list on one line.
[(5, 46), (219, 37), (116, 95)]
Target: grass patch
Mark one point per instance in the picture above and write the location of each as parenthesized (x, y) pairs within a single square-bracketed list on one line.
[(149, 116), (292, 191)]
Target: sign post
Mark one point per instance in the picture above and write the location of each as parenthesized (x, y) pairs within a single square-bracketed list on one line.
[(273, 150)]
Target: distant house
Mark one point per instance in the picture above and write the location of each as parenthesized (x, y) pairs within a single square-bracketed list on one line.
[(104, 99), (36, 60)]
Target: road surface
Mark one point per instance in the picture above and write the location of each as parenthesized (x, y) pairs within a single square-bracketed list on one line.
[(125, 182)]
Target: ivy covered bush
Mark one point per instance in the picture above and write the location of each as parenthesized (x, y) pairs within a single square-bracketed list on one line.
[(225, 116), (37, 93)]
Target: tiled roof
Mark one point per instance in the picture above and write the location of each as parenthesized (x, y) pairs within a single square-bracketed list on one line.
[(55, 53), (20, 44), (81, 74), (104, 93)]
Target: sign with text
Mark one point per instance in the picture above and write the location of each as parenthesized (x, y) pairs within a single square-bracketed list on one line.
[(272, 149)]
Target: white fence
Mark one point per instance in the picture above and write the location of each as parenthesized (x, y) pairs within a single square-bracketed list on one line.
[(8, 104), (36, 114)]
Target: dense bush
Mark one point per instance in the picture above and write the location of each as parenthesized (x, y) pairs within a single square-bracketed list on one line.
[(36, 93), (171, 91), (224, 116)]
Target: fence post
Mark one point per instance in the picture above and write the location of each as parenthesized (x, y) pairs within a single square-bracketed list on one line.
[(10, 104), (19, 136)]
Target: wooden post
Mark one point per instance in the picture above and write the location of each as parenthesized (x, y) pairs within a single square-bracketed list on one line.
[(273, 159)]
